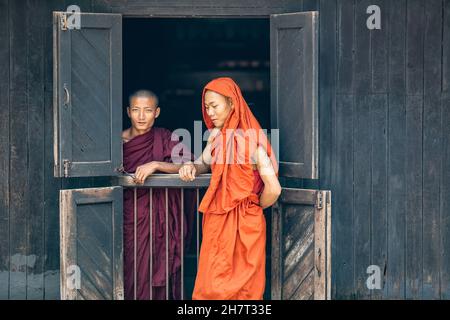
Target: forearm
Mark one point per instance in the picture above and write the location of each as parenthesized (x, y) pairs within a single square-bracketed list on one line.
[(201, 168), (269, 196), (267, 199), (167, 167), (272, 187)]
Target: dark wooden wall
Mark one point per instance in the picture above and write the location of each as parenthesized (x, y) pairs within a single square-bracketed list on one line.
[(385, 147), (384, 140), (29, 195)]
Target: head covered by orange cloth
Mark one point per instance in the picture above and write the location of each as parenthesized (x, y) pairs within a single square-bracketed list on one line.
[(232, 172)]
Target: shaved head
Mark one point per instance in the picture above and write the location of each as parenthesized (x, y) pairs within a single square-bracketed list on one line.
[(144, 94)]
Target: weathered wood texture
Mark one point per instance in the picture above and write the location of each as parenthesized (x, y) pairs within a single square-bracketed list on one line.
[(208, 8), (385, 93), (5, 150), (91, 226), (389, 176), (88, 86), (300, 245), (294, 64), (29, 208)]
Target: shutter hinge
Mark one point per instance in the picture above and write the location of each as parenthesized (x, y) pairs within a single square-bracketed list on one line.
[(118, 294), (319, 201), (120, 168), (63, 21), (67, 164)]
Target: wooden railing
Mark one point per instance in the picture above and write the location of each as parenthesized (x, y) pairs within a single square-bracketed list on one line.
[(166, 181)]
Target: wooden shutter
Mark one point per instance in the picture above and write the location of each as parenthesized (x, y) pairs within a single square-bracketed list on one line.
[(294, 91), (87, 81), (301, 245), (91, 223)]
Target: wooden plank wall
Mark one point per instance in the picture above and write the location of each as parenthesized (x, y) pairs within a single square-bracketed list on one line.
[(384, 100), (384, 141), (29, 209)]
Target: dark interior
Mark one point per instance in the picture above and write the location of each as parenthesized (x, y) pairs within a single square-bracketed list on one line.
[(175, 58)]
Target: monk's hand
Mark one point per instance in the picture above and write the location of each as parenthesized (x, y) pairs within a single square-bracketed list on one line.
[(144, 171), (187, 172)]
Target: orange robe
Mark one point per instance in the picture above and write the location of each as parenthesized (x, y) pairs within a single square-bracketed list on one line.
[(233, 250)]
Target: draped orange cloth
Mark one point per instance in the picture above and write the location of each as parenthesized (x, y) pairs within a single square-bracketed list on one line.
[(233, 250)]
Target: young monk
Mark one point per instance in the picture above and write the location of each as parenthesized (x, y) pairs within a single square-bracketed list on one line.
[(146, 150), (243, 182)]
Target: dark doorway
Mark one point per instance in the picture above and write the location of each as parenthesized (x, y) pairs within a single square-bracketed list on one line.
[(175, 58)]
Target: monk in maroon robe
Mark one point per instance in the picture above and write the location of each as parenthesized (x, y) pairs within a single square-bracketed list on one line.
[(148, 149)]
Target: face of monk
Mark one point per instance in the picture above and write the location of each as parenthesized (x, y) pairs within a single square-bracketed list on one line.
[(217, 107), (142, 112)]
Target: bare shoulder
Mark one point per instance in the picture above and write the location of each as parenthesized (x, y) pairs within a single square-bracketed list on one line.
[(264, 166), (214, 132), (260, 156), (262, 160), (126, 135)]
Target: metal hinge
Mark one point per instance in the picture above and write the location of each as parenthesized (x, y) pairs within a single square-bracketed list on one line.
[(319, 201), (118, 294), (63, 21), (67, 164), (120, 168)]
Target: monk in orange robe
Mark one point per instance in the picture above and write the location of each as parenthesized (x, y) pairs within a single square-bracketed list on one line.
[(244, 181)]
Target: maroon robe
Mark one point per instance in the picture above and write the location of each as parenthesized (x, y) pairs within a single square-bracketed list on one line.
[(155, 145)]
